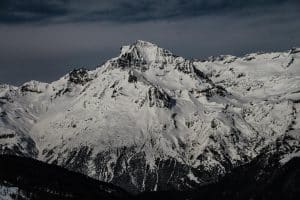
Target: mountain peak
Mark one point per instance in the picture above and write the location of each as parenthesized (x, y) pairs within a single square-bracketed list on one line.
[(144, 51), (140, 44), (144, 43)]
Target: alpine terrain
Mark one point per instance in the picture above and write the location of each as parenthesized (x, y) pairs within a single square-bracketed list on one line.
[(149, 120)]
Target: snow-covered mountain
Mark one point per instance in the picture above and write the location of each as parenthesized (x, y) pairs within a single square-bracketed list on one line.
[(151, 120)]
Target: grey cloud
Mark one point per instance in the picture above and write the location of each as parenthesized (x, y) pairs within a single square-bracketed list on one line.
[(14, 11), (53, 11)]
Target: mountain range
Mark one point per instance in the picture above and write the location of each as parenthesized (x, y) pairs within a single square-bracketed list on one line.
[(149, 120)]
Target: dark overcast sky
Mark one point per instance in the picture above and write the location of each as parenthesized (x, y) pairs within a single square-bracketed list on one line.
[(43, 40)]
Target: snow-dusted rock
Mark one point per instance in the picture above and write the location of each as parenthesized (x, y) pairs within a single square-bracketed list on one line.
[(150, 120)]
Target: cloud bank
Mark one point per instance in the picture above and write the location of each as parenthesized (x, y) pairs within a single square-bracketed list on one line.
[(53, 11)]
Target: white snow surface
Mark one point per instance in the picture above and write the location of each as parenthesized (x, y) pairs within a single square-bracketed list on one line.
[(8, 193), (165, 112), (288, 157)]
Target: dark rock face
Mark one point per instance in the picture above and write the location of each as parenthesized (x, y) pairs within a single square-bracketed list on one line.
[(290, 62), (132, 78), (185, 67), (159, 98), (132, 59), (262, 178), (79, 76), (28, 88), (127, 167), (78, 159), (137, 176), (294, 50), (27, 149)]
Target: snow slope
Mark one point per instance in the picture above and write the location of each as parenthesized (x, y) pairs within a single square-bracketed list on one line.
[(151, 120)]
